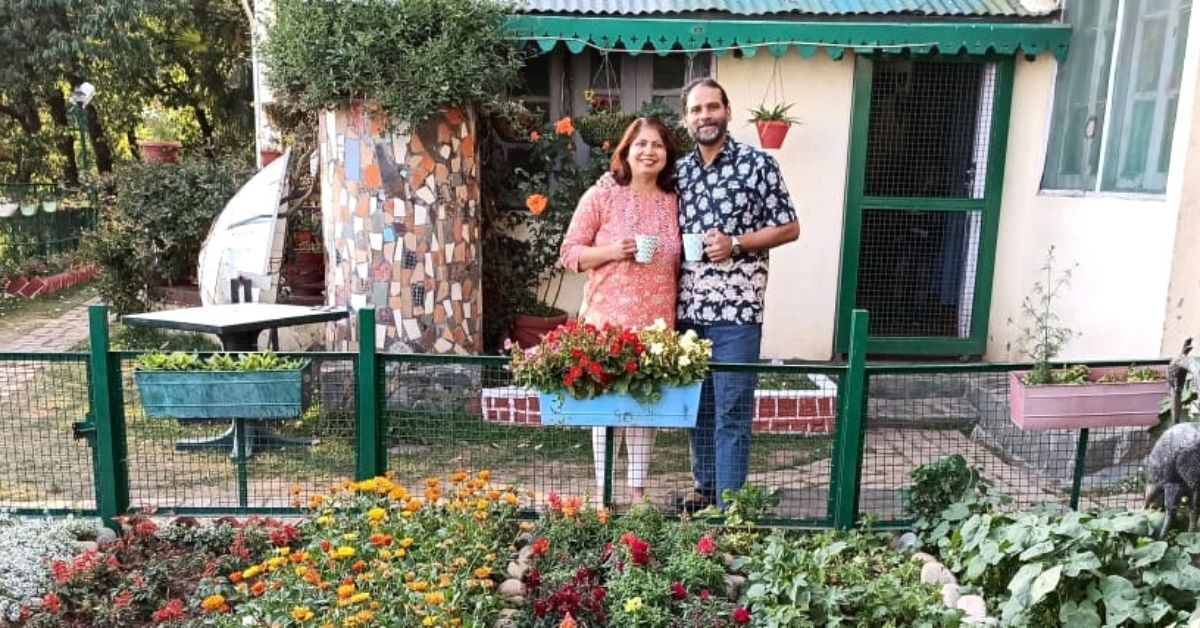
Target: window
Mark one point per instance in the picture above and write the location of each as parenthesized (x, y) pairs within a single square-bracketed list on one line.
[(1113, 123)]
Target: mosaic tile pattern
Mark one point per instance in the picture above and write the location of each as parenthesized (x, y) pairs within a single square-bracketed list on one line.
[(401, 225)]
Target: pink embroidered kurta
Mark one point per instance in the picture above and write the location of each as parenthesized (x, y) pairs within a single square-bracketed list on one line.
[(626, 293)]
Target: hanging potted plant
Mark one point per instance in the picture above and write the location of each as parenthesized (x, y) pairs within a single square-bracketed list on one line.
[(615, 376), (29, 204), (1074, 397), (8, 206), (772, 124), (49, 202)]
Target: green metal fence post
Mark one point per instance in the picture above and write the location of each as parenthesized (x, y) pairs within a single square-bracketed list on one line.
[(371, 433), (847, 454), (1080, 464), (112, 472)]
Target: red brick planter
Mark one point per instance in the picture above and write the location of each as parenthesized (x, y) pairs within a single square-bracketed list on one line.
[(30, 287), (775, 411)]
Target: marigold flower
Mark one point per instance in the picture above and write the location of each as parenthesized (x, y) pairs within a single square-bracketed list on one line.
[(235, 577), (510, 499), (258, 589), (568, 622), (406, 542), (564, 126), (251, 572), (537, 203), (434, 598), (302, 614), (459, 476), (483, 572), (376, 515), (344, 552), (214, 604), (346, 590), (359, 598), (633, 605)]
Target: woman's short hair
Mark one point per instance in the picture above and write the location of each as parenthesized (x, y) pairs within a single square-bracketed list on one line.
[(620, 167)]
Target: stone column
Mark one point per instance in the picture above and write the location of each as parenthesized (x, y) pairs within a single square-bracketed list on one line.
[(401, 224)]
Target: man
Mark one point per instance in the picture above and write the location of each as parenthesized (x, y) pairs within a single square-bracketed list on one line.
[(734, 194)]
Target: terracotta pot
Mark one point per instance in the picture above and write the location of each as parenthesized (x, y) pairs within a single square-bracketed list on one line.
[(1093, 404), (772, 132), (268, 156), (155, 152), (527, 330)]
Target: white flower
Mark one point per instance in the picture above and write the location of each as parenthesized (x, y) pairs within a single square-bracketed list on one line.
[(684, 361), (657, 348), (29, 545), (687, 341), (658, 325)]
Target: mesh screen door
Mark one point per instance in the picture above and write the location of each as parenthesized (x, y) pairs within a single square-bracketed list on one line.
[(923, 201)]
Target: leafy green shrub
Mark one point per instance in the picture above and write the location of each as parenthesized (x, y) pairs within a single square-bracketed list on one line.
[(410, 56), (936, 485), (151, 233), (833, 579), (180, 361), (1052, 567)]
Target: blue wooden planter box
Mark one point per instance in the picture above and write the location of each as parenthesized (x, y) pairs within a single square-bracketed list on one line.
[(223, 394), (676, 408)]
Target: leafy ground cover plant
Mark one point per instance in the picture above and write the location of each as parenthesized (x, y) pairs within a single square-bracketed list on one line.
[(936, 486), (28, 545), (1054, 567), (834, 579)]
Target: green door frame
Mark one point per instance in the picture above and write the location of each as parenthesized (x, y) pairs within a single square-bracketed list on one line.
[(856, 202)]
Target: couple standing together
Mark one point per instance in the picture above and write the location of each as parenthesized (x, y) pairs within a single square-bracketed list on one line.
[(733, 195)]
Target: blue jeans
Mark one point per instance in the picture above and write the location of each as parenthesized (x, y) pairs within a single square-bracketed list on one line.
[(720, 442)]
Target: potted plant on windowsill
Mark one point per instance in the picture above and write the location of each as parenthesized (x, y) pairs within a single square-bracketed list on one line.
[(772, 123), (615, 376), (1074, 397), (252, 386)]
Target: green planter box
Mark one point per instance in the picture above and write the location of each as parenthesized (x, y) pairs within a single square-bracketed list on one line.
[(223, 394)]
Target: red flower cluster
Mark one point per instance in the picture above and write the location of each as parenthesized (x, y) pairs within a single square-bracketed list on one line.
[(580, 597), (639, 550)]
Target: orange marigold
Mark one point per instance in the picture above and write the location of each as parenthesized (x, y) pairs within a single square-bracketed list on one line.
[(215, 604), (537, 203), (564, 126)]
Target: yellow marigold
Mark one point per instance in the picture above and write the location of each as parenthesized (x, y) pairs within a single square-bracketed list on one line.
[(484, 475), (409, 576), (633, 605), (295, 489), (252, 571), (444, 581), (315, 501), (483, 572), (376, 514), (325, 520), (385, 554), (406, 542), (400, 553), (301, 571), (367, 486), (359, 598), (364, 616), (346, 590), (301, 614), (284, 551), (276, 562), (432, 495), (430, 620), (458, 476), (398, 494), (482, 504), (434, 598), (418, 586), (350, 536), (432, 482), (564, 126), (344, 552), (536, 203), (480, 515), (511, 499), (460, 561), (491, 557)]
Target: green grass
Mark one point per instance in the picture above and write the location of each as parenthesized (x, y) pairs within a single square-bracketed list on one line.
[(786, 381)]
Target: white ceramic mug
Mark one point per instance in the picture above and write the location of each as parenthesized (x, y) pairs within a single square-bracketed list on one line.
[(646, 246), (693, 246)]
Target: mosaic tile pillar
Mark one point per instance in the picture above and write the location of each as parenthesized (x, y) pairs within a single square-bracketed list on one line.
[(401, 224)]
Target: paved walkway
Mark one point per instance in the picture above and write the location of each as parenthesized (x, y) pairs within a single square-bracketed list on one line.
[(56, 335)]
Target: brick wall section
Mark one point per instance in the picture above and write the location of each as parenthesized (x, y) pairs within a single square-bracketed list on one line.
[(30, 287)]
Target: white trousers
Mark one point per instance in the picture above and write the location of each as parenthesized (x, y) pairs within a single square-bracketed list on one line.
[(638, 443)]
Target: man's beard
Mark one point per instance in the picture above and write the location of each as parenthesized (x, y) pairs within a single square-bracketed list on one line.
[(716, 137)]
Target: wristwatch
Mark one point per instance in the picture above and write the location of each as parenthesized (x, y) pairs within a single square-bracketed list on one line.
[(735, 247)]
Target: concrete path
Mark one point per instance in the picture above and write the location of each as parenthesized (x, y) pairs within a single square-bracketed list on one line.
[(56, 335)]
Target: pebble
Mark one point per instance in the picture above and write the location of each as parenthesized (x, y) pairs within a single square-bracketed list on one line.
[(517, 570), (733, 586), (921, 557), (950, 595), (934, 572), (511, 589), (973, 606)]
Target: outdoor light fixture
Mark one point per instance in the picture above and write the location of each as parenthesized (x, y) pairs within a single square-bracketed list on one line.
[(83, 94)]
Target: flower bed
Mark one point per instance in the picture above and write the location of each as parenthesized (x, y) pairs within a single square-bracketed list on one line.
[(30, 286), (775, 411)]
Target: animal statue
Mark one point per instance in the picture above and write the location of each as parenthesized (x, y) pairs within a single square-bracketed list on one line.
[(1173, 468)]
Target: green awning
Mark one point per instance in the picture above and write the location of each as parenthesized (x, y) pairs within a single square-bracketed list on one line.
[(720, 36)]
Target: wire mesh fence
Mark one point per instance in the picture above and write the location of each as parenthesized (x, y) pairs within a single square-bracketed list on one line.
[(42, 464), (439, 414)]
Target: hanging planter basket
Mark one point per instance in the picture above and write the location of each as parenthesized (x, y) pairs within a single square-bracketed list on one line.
[(7, 209), (772, 132), (50, 206), (29, 208)]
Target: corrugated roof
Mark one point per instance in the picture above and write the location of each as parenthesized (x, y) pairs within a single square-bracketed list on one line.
[(940, 8)]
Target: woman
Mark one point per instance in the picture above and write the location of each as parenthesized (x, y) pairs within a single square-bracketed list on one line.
[(635, 199)]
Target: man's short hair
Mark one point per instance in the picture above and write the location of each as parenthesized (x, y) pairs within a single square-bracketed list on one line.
[(706, 81)]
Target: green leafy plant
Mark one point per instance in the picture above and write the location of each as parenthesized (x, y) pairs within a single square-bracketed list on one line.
[(180, 361), (1054, 567), (160, 124), (150, 232), (413, 57), (1043, 336), (937, 485), (773, 113), (833, 579)]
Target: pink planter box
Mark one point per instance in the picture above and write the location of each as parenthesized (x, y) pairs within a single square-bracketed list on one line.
[(775, 411), (30, 287), (1076, 406)]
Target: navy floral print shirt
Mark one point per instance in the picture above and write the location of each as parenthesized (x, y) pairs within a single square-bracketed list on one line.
[(741, 192)]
